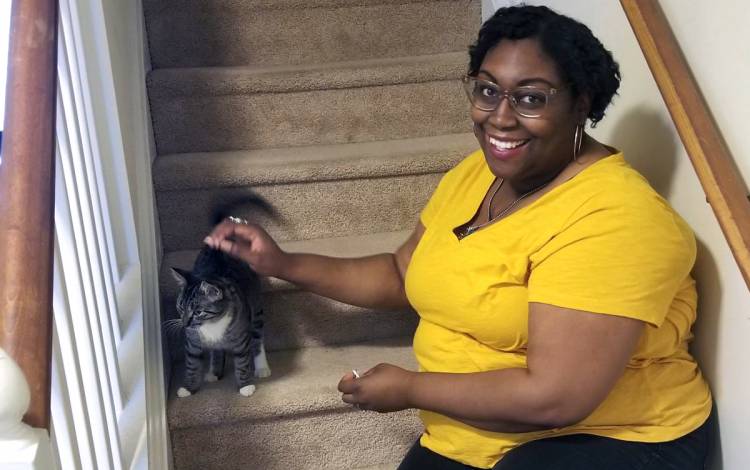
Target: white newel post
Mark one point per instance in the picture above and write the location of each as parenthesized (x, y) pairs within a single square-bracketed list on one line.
[(21, 446)]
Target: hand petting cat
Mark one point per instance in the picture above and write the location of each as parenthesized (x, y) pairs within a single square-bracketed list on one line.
[(384, 388), (251, 244)]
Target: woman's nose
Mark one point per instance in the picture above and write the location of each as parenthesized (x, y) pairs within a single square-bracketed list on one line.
[(504, 115)]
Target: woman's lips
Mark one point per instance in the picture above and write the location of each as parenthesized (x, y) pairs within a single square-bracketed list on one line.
[(505, 149)]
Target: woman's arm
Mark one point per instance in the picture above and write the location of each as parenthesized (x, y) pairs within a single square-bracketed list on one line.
[(574, 359), (374, 281)]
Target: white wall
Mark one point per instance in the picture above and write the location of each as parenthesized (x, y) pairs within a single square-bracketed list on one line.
[(715, 42)]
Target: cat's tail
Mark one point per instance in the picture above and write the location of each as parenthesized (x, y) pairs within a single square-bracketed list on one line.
[(235, 206)]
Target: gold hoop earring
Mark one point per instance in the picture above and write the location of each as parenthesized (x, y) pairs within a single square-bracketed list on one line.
[(577, 141)]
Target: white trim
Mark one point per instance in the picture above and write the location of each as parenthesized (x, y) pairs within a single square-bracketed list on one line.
[(158, 445), (107, 413)]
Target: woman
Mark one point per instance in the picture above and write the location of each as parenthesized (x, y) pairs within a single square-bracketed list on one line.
[(552, 283)]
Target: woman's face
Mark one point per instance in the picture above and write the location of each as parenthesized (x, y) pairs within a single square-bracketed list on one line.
[(521, 149)]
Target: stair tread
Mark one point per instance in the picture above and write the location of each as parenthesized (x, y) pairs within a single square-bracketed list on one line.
[(384, 466), (303, 383), (311, 163), (234, 80), (152, 5), (347, 246), (193, 34)]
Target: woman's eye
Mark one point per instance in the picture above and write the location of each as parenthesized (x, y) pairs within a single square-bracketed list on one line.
[(487, 91), (531, 98)]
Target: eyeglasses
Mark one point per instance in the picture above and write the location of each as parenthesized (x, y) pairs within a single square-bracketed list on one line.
[(527, 101)]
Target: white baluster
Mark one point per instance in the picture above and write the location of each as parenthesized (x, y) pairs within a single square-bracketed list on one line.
[(21, 446)]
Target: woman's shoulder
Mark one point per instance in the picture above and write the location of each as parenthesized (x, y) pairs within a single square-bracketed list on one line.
[(470, 165), (613, 191), (612, 181), (465, 172)]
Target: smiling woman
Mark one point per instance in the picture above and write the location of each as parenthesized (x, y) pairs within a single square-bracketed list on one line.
[(552, 282)]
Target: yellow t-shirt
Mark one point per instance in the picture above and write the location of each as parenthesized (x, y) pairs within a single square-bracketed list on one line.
[(604, 242)]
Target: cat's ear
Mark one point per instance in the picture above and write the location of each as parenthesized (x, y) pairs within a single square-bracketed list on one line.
[(181, 276), (210, 291)]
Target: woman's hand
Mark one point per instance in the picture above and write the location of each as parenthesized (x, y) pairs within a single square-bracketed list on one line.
[(383, 388), (250, 243)]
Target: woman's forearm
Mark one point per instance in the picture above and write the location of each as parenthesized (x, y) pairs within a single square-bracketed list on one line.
[(505, 400), (373, 281)]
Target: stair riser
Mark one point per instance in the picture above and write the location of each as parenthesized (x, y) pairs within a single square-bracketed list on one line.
[(235, 122), (306, 210), (297, 319), (194, 34), (315, 442)]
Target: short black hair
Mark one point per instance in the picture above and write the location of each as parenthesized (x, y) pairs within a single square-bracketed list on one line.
[(581, 59)]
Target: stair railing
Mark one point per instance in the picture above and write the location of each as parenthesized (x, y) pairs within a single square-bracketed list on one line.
[(26, 234), (716, 170)]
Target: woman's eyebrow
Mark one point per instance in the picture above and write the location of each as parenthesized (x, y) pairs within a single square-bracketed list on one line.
[(535, 80), (525, 82)]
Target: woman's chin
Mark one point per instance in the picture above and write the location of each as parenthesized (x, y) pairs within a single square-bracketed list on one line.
[(506, 163)]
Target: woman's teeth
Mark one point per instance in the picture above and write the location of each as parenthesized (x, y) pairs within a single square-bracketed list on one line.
[(506, 144)]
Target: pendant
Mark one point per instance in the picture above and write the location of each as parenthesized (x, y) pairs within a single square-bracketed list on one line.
[(461, 234)]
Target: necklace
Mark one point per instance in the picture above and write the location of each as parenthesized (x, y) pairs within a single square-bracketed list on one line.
[(473, 228)]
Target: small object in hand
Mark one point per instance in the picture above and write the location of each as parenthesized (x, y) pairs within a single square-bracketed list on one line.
[(356, 376), (238, 220)]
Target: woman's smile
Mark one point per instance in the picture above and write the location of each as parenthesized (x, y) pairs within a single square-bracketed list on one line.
[(505, 148)]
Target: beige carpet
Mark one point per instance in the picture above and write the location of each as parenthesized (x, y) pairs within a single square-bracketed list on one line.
[(343, 115)]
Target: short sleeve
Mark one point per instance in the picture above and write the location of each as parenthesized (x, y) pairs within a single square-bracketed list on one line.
[(619, 258), (466, 169), (433, 205)]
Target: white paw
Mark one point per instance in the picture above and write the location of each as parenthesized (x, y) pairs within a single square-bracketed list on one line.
[(262, 372), (209, 377), (247, 390), (182, 392)]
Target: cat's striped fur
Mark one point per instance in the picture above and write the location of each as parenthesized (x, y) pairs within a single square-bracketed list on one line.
[(220, 311)]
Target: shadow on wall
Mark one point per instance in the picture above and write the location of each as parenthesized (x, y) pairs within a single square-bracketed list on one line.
[(650, 146), (706, 328)]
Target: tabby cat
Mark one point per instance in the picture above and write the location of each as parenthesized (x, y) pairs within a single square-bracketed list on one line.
[(220, 311)]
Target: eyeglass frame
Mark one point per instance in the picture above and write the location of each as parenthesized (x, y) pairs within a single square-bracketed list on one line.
[(506, 93)]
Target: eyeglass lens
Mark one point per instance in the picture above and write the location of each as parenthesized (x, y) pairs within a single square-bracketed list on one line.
[(527, 101)]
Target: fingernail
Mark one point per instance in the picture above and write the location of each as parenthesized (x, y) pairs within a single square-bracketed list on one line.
[(208, 241)]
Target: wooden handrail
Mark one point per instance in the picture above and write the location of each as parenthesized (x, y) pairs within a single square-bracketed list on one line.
[(717, 172), (27, 179)]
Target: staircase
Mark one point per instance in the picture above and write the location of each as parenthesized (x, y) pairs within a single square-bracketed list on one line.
[(343, 114)]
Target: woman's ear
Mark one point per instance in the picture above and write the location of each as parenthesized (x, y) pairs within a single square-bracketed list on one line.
[(582, 107)]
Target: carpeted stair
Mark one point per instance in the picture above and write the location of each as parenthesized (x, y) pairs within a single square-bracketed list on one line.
[(343, 115)]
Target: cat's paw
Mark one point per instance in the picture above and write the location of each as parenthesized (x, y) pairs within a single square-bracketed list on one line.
[(209, 377), (247, 390), (182, 392), (262, 372)]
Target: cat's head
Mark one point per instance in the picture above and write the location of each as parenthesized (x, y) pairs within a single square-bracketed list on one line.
[(200, 300)]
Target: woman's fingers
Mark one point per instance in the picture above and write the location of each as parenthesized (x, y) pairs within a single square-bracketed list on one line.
[(225, 230), (248, 242), (234, 233), (347, 384)]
